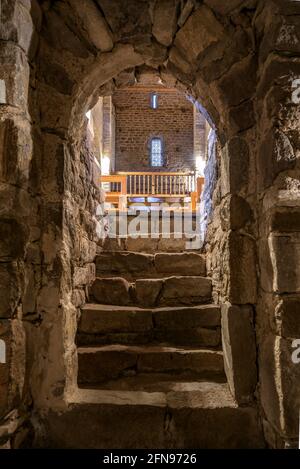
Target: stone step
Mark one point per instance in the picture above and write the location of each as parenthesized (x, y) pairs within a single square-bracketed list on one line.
[(137, 265), (99, 364), (176, 243), (107, 324), (198, 415), (154, 382), (169, 291)]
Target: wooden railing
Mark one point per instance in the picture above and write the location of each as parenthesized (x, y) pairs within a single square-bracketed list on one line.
[(142, 184), (152, 184)]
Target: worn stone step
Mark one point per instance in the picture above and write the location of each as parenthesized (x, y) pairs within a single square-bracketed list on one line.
[(153, 382), (134, 264), (98, 364), (193, 325), (199, 415), (169, 291), (176, 243)]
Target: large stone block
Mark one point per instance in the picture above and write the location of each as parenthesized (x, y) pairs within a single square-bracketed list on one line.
[(55, 110), (242, 269), (124, 262), (60, 36), (49, 298), (12, 239), (223, 8), (286, 219), (10, 289), (241, 117), (287, 314), (129, 21), (52, 169), (148, 291), (239, 349), (94, 24), (238, 84), (14, 72), (280, 384), (276, 154), (280, 30), (285, 256), (234, 166), (84, 275), (113, 291), (56, 76), (201, 31), (16, 23), (31, 289), (235, 213), (12, 372), (153, 53), (16, 149), (178, 65), (186, 290), (15, 202), (185, 12), (87, 249), (165, 19), (187, 263)]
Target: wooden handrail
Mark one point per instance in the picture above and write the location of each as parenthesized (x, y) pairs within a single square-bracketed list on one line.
[(154, 173), (158, 184)]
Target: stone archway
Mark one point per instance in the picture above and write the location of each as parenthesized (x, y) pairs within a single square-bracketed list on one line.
[(222, 56)]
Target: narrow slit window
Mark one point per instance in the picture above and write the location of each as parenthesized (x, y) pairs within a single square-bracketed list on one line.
[(156, 152), (154, 101)]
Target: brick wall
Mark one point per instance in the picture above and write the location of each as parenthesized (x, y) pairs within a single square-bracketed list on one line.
[(137, 123)]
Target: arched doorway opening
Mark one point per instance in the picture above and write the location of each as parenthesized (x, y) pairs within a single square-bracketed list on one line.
[(211, 53), (68, 129)]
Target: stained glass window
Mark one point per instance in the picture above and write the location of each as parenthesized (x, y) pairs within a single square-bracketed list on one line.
[(156, 152)]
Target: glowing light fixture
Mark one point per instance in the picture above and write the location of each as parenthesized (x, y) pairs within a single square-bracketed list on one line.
[(200, 165), (105, 165)]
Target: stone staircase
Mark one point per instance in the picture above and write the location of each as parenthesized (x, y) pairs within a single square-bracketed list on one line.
[(150, 361)]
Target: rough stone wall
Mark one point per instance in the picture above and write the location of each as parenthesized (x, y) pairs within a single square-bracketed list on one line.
[(252, 243), (68, 222), (19, 227), (48, 241), (240, 60), (137, 123), (278, 183)]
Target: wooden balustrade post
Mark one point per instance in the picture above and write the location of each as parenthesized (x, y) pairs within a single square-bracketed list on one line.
[(122, 206), (200, 184), (194, 197), (124, 185)]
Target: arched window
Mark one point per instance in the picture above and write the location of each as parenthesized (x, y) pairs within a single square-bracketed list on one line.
[(156, 152), (154, 100)]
